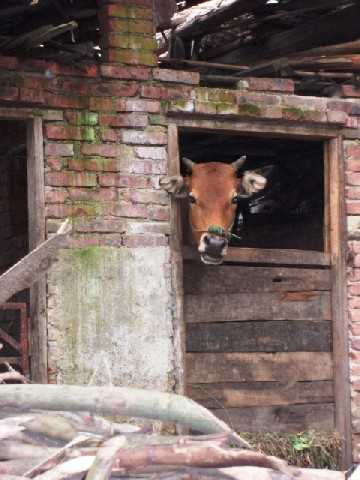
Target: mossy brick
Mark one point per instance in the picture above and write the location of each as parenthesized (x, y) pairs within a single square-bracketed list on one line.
[(128, 12), (223, 108), (101, 104), (205, 108), (82, 118), (88, 134), (158, 120), (181, 106), (249, 110), (127, 25), (260, 99), (135, 42), (62, 132), (305, 103), (96, 164), (131, 57)]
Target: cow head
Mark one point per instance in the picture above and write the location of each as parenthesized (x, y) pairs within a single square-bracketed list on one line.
[(213, 190)]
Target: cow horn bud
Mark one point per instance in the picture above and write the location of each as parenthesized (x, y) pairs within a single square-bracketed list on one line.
[(239, 163), (189, 164)]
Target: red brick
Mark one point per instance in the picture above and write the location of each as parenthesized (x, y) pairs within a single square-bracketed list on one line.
[(128, 181), (260, 99), (105, 149), (105, 104), (126, 25), (62, 132), (94, 194), (129, 210), (55, 195), (354, 315), (70, 179), (98, 164), (125, 73), (127, 11), (159, 213), (124, 120), (354, 302), (354, 289), (355, 345), (355, 329), (150, 137), (56, 163), (352, 149), (59, 149), (148, 167), (115, 89), (138, 105), (58, 211), (353, 207), (152, 91), (109, 135), (350, 91), (102, 225), (178, 76), (9, 63), (352, 122), (9, 93), (353, 179), (62, 101), (337, 117), (271, 84), (138, 241), (157, 197), (31, 95), (153, 153), (353, 164)]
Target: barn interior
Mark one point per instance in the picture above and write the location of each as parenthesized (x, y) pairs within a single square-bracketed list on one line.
[(289, 213), (14, 238)]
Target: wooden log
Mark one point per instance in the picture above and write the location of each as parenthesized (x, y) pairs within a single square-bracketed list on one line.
[(237, 307), (257, 367), (260, 394), (132, 402), (27, 271), (105, 458), (202, 279), (269, 336), (280, 419)]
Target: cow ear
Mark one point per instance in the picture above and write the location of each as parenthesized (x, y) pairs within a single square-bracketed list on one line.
[(252, 182), (175, 185)]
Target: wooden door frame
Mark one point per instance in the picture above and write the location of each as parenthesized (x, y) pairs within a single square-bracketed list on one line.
[(36, 233), (335, 241)]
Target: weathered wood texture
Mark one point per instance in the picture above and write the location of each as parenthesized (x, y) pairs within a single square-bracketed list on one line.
[(236, 279), (259, 342), (268, 336), (294, 418), (257, 306), (258, 367), (260, 394)]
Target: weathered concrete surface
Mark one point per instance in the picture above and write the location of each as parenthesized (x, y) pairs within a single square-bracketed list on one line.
[(109, 318)]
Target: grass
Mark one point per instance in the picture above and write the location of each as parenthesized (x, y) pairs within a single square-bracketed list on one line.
[(305, 449)]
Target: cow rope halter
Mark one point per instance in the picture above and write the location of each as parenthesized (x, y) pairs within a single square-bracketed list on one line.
[(221, 232)]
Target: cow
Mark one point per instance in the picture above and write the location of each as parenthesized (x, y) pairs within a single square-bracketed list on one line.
[(213, 190)]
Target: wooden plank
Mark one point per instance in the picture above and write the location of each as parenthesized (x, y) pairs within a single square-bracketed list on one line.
[(257, 394), (338, 247), (199, 279), (280, 419), (236, 307), (270, 336), (258, 367), (36, 214), (267, 256)]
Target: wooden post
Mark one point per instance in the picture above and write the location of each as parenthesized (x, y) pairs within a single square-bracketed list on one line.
[(177, 262), (36, 215), (339, 310)]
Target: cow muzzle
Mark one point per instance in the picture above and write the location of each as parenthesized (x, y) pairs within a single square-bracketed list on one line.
[(212, 248)]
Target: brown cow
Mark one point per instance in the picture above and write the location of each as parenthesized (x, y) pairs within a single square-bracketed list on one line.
[(213, 190)]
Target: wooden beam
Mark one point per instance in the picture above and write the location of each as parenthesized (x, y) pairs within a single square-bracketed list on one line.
[(339, 295)]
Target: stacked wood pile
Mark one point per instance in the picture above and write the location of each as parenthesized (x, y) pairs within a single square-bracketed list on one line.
[(51, 432), (317, 43)]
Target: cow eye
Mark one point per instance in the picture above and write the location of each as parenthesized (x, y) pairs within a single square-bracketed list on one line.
[(235, 199), (192, 199)]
